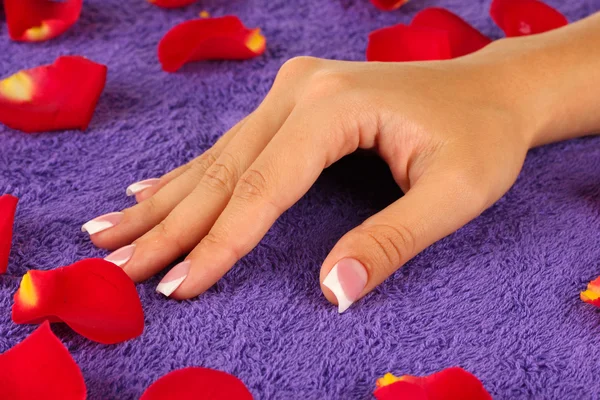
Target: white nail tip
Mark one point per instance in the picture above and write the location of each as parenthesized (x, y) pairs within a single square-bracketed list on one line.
[(122, 256), (167, 288), (332, 282), (137, 187), (99, 224)]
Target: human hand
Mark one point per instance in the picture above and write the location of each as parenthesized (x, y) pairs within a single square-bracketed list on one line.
[(454, 139)]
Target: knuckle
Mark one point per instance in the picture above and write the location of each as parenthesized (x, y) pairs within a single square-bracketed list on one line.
[(164, 233), (326, 83), (221, 175), (251, 186), (213, 239), (202, 163), (393, 245), (152, 206), (295, 66)]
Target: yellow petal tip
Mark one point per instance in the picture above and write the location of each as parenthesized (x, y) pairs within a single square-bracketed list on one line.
[(589, 295), (388, 379), (38, 33), (27, 294), (256, 41), (17, 87)]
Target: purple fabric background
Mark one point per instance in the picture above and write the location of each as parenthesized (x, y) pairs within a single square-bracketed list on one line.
[(500, 297)]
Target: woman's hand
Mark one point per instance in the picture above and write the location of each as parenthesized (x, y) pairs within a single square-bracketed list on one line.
[(454, 134)]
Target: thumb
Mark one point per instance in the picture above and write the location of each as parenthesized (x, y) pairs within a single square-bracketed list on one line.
[(433, 208)]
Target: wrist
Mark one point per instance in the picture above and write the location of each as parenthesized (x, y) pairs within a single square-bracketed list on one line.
[(551, 80), (507, 73)]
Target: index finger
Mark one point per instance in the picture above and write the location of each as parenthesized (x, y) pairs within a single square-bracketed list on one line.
[(279, 177)]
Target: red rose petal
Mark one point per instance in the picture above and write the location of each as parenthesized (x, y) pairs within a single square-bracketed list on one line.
[(39, 20), (62, 95), (388, 5), (525, 17), (449, 384), (401, 390), (190, 383), (224, 38), (8, 206), (171, 3), (408, 43), (94, 297), (464, 39), (592, 294), (40, 367)]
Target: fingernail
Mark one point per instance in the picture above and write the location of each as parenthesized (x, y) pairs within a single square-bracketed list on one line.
[(346, 280), (102, 222), (174, 278), (137, 187), (121, 256)]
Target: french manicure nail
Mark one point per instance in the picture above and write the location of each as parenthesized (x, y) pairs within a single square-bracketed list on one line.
[(346, 280), (137, 187), (102, 223), (174, 278), (121, 256)]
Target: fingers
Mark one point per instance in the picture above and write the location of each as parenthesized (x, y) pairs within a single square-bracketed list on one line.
[(146, 188), (437, 205), (193, 217), (283, 172), (117, 229)]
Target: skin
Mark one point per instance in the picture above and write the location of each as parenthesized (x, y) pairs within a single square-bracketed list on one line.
[(454, 133)]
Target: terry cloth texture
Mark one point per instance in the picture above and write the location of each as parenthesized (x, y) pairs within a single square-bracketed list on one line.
[(500, 297)]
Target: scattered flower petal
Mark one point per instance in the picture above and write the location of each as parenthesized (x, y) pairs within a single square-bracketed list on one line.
[(408, 43), (388, 5), (94, 297), (39, 20), (58, 96), (592, 294), (464, 39), (224, 38), (188, 383), (8, 206), (525, 17), (449, 384), (40, 367), (172, 3)]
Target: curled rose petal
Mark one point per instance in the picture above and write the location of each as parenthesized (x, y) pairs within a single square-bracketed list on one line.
[(40, 367), (449, 384), (408, 43), (592, 293), (224, 38), (388, 5), (39, 20), (172, 3), (188, 383), (58, 96), (8, 206), (94, 297), (525, 17), (464, 39)]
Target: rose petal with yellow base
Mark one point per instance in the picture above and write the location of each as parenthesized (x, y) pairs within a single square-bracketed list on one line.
[(62, 95), (449, 384), (224, 38), (94, 297), (592, 293), (40, 20)]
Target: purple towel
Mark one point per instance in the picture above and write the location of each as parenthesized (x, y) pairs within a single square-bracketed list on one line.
[(499, 298)]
